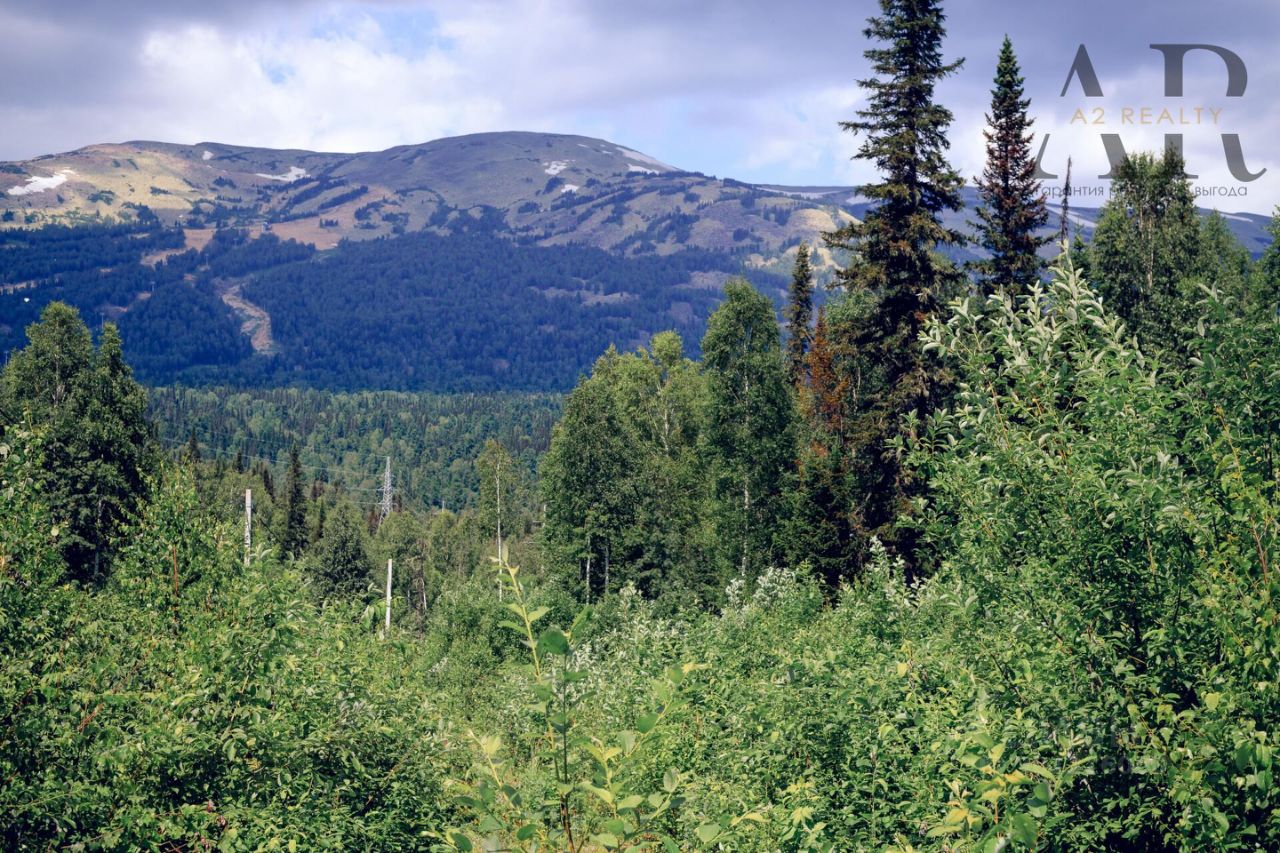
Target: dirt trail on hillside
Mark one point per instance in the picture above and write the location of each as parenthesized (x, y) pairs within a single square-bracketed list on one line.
[(255, 322)]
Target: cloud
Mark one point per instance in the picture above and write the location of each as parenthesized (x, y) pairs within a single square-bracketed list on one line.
[(746, 88)]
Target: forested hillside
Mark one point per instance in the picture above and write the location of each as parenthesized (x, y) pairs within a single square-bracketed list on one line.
[(958, 557), (420, 312), (344, 439)]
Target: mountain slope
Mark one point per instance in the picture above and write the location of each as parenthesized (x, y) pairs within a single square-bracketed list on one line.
[(492, 261), (549, 189)]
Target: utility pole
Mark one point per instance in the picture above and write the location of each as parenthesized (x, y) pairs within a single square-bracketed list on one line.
[(386, 493), (248, 525), (388, 621)]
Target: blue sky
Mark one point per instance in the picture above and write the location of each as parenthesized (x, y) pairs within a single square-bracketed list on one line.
[(746, 89)]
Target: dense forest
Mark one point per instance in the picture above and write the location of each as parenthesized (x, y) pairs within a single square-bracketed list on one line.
[(344, 439), (970, 557), (470, 312)]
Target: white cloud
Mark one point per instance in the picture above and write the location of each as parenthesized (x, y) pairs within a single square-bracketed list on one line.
[(741, 89)]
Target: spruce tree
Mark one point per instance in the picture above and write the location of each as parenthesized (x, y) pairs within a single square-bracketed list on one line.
[(798, 315), (191, 453), (896, 278), (293, 522), (97, 447), (1011, 205)]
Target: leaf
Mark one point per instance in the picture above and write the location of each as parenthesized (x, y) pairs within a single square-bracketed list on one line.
[(553, 641), (707, 832), (1024, 829), (605, 795), (460, 841)]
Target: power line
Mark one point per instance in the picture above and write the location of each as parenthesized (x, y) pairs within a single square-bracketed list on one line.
[(278, 443), (227, 453), (386, 493)]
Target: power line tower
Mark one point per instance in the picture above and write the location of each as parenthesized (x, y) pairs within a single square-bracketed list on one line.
[(386, 493)]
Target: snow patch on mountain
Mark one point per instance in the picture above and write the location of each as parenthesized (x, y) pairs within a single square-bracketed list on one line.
[(40, 183), (569, 188), (555, 167), (295, 173), (632, 167), (207, 155)]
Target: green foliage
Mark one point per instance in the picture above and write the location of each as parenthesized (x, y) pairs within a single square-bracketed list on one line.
[(190, 703), (591, 799), (655, 457), (292, 533), (799, 315), (503, 502), (1103, 515), (340, 564), (1145, 246), (749, 426), (96, 448)]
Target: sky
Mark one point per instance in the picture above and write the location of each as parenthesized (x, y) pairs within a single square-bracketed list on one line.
[(749, 89)]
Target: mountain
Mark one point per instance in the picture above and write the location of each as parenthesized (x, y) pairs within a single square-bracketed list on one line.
[(477, 263), (549, 189)]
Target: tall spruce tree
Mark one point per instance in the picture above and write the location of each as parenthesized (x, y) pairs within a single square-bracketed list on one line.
[(896, 278), (293, 521), (799, 314), (97, 447), (1011, 206)]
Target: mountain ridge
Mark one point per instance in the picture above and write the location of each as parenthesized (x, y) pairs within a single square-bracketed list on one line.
[(548, 189)]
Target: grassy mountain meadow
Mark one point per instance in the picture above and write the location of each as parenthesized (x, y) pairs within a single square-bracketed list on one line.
[(521, 492)]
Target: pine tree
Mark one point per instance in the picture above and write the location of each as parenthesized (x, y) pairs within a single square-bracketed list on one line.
[(1011, 204), (293, 521), (799, 314), (825, 389), (896, 278)]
